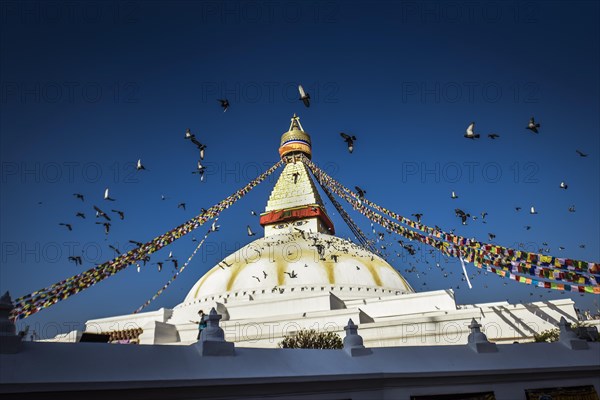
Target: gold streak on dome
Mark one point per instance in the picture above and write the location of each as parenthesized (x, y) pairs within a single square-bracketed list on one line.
[(295, 140)]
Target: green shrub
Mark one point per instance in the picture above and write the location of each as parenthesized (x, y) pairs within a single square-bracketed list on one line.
[(551, 335), (581, 329), (311, 339)]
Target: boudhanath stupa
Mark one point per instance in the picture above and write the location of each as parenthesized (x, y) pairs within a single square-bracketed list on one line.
[(397, 343), (301, 276)]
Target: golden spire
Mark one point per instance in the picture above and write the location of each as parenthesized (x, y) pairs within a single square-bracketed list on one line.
[(295, 140), (295, 203)]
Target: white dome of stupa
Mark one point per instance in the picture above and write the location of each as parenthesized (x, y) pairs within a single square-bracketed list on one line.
[(298, 259)]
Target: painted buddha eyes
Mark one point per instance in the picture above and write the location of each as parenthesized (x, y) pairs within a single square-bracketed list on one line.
[(297, 223)]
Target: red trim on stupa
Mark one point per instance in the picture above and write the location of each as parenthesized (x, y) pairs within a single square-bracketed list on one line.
[(292, 214)]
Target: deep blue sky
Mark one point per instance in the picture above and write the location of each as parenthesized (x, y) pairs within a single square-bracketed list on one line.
[(88, 88)]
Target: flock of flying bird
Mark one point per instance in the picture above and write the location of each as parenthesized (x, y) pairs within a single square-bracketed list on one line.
[(532, 126), (305, 98), (349, 140)]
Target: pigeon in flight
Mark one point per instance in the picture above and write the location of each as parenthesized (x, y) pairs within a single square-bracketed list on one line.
[(517, 209), (470, 134), (581, 153), (253, 212), (224, 104), (453, 196), (100, 213), (199, 145), (532, 126), (214, 227), (572, 208), (115, 249), (418, 217), (493, 136), (563, 185), (462, 215), (79, 196), (532, 211), (491, 236), (200, 170), (527, 227), (138, 244), (159, 264), (250, 233), (349, 141), (76, 259), (68, 226), (107, 195), (201, 148), (181, 205), (264, 274), (80, 215), (256, 277), (361, 193), (121, 213), (139, 165), (305, 97), (106, 226)]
